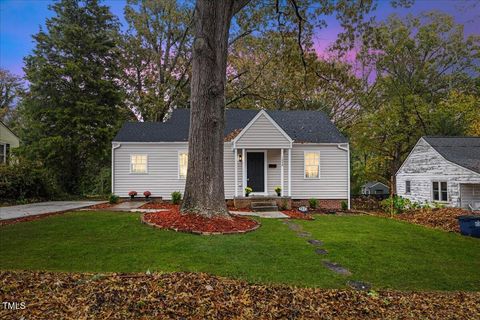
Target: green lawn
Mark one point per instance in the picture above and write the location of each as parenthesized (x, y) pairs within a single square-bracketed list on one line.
[(385, 252)]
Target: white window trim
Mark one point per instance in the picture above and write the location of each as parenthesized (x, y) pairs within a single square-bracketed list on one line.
[(304, 166), (178, 164), (439, 191), (138, 154)]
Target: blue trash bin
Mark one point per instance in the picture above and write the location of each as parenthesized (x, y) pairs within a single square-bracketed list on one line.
[(470, 225)]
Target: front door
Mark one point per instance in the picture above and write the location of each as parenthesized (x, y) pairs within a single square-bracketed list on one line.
[(256, 171)]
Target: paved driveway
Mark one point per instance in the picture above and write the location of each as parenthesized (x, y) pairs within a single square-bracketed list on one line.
[(33, 209)]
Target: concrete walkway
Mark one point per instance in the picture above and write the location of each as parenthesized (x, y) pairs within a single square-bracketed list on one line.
[(34, 209), (266, 214)]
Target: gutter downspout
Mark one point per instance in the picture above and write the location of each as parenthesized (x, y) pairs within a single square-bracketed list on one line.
[(347, 149), (114, 146)]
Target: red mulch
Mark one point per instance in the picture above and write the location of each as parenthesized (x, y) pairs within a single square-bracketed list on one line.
[(194, 223), (295, 214), (102, 206), (160, 205), (29, 218)]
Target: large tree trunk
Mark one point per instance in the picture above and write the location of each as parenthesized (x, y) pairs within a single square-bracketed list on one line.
[(204, 189)]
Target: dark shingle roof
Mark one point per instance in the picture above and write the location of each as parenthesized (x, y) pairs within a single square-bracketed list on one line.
[(301, 126), (464, 151)]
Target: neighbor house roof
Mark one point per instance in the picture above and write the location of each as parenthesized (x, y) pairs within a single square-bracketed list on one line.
[(464, 151), (370, 184), (301, 126)]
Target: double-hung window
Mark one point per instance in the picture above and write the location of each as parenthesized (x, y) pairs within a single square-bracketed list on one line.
[(312, 164), (439, 191), (182, 164), (408, 187), (138, 163)]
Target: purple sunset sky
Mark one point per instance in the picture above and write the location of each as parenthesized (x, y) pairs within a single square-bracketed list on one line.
[(19, 19)]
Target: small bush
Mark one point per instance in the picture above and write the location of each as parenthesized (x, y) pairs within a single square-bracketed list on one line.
[(344, 205), (399, 204), (176, 197), (278, 190), (248, 190), (313, 203), (147, 194), (113, 199)]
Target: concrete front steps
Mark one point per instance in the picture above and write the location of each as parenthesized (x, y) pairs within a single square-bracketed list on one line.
[(264, 205)]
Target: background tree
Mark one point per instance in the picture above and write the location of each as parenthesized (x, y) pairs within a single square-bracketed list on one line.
[(421, 63), (204, 190), (156, 57), (73, 107), (11, 87)]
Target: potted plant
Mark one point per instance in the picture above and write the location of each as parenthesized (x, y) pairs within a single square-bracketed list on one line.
[(248, 190), (278, 190), (147, 194), (132, 194)]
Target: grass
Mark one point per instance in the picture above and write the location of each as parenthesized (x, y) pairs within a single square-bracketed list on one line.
[(387, 253)]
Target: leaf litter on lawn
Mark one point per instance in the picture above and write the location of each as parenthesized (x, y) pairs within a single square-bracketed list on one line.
[(51, 295)]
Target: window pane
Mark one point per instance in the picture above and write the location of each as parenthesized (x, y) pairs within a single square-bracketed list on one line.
[(444, 192), (407, 186), (312, 164), (435, 191), (139, 163), (182, 164)]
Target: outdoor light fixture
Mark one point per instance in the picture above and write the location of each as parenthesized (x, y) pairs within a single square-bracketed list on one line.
[(240, 157)]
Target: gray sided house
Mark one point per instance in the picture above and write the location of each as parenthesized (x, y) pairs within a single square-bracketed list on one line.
[(444, 170), (375, 187), (300, 151)]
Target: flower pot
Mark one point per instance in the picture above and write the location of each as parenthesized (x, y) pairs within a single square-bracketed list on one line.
[(278, 194), (131, 197), (247, 194)]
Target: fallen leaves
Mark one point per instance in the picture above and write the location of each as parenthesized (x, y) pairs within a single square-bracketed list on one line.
[(202, 296), (295, 214), (439, 218), (174, 220)]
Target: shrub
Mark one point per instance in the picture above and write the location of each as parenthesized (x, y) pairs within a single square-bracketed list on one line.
[(344, 205), (113, 199), (132, 194), (278, 190), (147, 194), (399, 204), (26, 180), (313, 203), (176, 197), (248, 190)]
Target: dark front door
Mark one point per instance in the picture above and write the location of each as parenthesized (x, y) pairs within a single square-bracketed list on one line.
[(256, 171)]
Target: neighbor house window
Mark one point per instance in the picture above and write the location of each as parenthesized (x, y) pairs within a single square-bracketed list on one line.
[(407, 187), (182, 164), (312, 164), (439, 191), (3, 156), (138, 163)]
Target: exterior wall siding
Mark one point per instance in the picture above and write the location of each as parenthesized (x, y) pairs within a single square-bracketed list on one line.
[(6, 136), (423, 166), (262, 133), (162, 177)]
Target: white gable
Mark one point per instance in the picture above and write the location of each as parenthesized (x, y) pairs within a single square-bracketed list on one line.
[(262, 132)]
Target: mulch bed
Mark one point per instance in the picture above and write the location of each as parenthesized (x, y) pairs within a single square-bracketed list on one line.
[(29, 218), (103, 206), (241, 210), (202, 296), (192, 223), (295, 214), (160, 205), (441, 218)]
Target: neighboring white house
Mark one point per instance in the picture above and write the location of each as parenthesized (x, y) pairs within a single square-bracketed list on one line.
[(8, 140), (375, 187), (442, 169), (300, 151)]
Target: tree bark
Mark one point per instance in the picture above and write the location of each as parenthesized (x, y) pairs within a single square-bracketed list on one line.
[(204, 189)]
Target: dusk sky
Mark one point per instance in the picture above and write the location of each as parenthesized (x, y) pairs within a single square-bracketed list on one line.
[(19, 19)]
